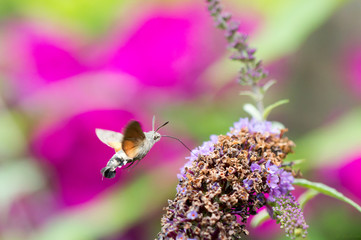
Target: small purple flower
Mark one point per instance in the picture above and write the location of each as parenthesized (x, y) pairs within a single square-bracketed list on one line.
[(181, 190), (242, 123), (192, 215), (193, 156), (274, 193), (181, 176), (233, 26), (206, 148), (261, 126), (271, 168), (181, 236), (285, 187), (215, 186), (187, 165), (214, 138), (272, 181), (286, 177), (253, 125), (251, 147), (255, 167), (248, 183), (286, 180)]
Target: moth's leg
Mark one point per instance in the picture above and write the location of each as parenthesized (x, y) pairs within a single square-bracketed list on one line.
[(130, 165), (135, 164)]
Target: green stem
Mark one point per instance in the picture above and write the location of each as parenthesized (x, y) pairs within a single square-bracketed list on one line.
[(256, 89)]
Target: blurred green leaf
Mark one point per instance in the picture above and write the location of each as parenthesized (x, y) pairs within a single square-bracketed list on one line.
[(17, 178), (253, 111), (260, 218), (269, 108), (92, 17), (8, 8), (328, 145), (249, 93), (114, 212), (12, 140), (267, 85), (277, 125), (295, 162), (322, 188), (307, 196), (331, 220)]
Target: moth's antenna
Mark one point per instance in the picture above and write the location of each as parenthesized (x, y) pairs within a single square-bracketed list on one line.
[(162, 125), (153, 122), (180, 142)]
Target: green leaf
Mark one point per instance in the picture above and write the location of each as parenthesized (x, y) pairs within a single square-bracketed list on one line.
[(322, 188), (253, 111), (277, 125), (268, 109), (267, 85), (260, 218), (83, 17), (249, 93), (307, 196), (12, 139), (297, 162), (18, 178)]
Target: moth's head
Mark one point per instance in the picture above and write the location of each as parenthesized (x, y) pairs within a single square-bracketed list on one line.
[(156, 137), (152, 136)]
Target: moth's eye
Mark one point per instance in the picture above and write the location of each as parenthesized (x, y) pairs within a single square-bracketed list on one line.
[(156, 137)]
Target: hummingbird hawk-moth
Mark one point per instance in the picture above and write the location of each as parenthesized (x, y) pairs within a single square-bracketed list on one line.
[(130, 147)]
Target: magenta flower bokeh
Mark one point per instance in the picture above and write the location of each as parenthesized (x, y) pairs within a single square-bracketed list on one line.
[(161, 50), (345, 176), (169, 50), (350, 178)]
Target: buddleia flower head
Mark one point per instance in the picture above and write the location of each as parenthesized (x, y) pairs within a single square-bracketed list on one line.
[(230, 178)]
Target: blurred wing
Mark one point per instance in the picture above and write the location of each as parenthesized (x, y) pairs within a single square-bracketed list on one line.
[(133, 139), (110, 138)]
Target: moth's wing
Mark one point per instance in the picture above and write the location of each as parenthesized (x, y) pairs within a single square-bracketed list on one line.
[(133, 139), (110, 138)]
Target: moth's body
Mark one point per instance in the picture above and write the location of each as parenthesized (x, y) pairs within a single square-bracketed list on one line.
[(151, 138), (119, 159), (130, 147)]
